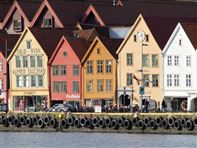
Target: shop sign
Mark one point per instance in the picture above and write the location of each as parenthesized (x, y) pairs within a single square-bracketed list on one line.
[(29, 51), (29, 93), (29, 71), (72, 96)]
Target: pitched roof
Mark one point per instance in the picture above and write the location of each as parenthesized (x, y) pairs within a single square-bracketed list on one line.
[(29, 7), (4, 7), (68, 11), (112, 45), (80, 46), (49, 38), (7, 40), (126, 15), (191, 31), (162, 28)]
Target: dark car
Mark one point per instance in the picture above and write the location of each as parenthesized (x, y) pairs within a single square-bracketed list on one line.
[(61, 108)]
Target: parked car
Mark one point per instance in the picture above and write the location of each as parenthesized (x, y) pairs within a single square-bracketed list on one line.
[(61, 108)]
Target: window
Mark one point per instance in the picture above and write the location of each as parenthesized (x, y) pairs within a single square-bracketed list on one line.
[(146, 80), (108, 66), (39, 61), (145, 60), (1, 65), (188, 80), (99, 85), (129, 59), (32, 61), (155, 80), (99, 66), (176, 60), (176, 80), (75, 86), (25, 61), (65, 53), (169, 80), (188, 60), (55, 70), (169, 60), (17, 25), (155, 60), (25, 79), (75, 70), (48, 22), (63, 70), (129, 79), (89, 67), (147, 37), (180, 42), (40, 80), (55, 86), (135, 38), (98, 50), (108, 85), (63, 87), (33, 81), (18, 61), (19, 81), (28, 44), (89, 86)]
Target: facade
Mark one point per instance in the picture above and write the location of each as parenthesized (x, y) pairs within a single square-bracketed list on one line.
[(139, 64), (65, 71), (180, 73), (99, 72), (28, 75)]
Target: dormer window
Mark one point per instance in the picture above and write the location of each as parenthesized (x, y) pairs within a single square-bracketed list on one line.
[(48, 23), (17, 25)]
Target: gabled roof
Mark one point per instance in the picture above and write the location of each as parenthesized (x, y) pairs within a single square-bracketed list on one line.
[(7, 41), (4, 7), (110, 44), (46, 4), (15, 6), (191, 31), (29, 7), (68, 11), (47, 38), (79, 46)]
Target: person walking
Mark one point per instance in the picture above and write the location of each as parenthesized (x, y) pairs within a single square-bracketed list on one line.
[(164, 106)]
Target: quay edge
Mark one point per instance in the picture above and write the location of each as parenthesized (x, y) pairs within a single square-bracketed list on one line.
[(179, 123)]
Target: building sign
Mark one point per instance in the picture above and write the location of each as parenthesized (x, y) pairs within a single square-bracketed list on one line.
[(29, 51), (29, 93), (72, 96), (29, 71)]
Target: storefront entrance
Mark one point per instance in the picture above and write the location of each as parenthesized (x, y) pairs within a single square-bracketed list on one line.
[(30, 103), (124, 100)]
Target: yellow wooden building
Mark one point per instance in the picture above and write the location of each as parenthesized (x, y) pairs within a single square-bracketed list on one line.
[(99, 72), (139, 64), (28, 75)]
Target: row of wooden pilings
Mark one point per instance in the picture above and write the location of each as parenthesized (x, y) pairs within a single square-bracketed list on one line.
[(177, 123)]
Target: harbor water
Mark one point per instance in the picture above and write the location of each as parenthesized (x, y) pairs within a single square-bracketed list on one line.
[(94, 140)]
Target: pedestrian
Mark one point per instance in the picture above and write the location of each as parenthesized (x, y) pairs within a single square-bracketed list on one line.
[(146, 105), (164, 106)]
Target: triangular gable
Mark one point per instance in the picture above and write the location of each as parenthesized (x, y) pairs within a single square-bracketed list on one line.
[(90, 10), (139, 18), (44, 4), (178, 27), (96, 40), (14, 6)]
